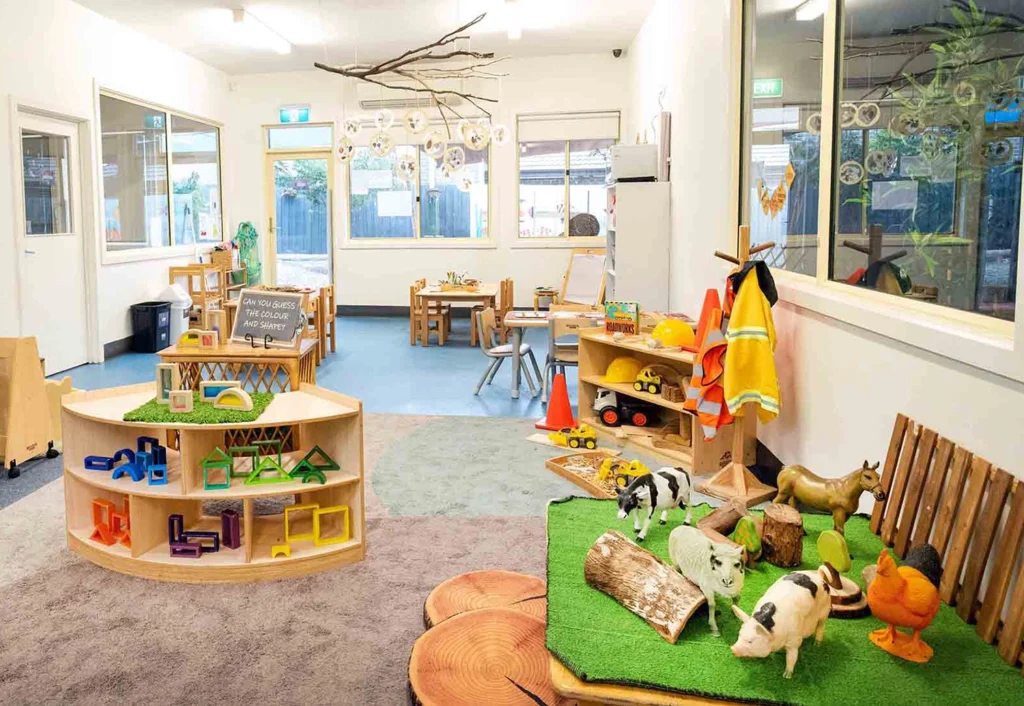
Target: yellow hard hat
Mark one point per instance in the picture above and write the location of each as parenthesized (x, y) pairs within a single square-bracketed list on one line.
[(623, 369), (673, 333)]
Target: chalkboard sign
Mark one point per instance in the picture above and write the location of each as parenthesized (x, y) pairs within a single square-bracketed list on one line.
[(261, 313)]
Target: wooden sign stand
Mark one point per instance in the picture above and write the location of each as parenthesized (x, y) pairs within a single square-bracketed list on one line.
[(24, 410), (734, 481)]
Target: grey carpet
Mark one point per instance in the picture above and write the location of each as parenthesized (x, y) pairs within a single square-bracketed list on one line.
[(34, 475)]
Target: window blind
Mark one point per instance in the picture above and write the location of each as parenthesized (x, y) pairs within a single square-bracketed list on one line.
[(595, 125)]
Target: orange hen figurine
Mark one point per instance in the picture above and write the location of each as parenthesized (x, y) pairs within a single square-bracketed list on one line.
[(906, 596)]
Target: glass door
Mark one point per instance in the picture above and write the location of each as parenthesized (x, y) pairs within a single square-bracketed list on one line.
[(300, 187)]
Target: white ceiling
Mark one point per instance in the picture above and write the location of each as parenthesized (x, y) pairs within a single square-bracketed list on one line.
[(375, 29)]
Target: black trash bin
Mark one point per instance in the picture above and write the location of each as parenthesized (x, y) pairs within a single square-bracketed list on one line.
[(151, 326)]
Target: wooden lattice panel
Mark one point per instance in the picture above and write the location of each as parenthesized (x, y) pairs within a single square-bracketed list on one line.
[(269, 376), (940, 493), (247, 437)]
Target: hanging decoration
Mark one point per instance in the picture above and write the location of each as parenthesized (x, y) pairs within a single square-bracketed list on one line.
[(964, 94), (414, 71), (476, 137), (868, 114), (346, 148), (384, 119), (405, 167), (434, 144), (415, 121), (464, 181), (500, 134), (851, 172), (772, 202), (848, 115), (381, 144), (814, 123), (455, 157), (352, 127), (997, 152), (905, 125)]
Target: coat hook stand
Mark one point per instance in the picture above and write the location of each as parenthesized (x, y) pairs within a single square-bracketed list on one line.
[(734, 481)]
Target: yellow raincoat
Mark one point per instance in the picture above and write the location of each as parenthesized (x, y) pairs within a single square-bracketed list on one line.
[(750, 361)]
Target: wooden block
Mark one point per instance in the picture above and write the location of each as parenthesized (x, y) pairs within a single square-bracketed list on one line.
[(233, 398), (889, 469), (189, 339), (180, 401), (899, 485), (290, 535), (964, 529), (915, 485), (208, 340), (930, 496), (1002, 568), (209, 389), (950, 500), (984, 534), (331, 525)]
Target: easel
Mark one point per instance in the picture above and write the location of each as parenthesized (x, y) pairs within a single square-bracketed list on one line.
[(25, 430), (734, 481)]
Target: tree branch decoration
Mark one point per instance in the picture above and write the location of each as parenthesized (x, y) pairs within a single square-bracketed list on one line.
[(410, 65)]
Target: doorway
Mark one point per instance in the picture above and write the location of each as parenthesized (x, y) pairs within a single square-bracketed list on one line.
[(300, 186), (52, 274)]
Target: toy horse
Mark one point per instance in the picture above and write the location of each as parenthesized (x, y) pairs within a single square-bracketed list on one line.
[(840, 496)]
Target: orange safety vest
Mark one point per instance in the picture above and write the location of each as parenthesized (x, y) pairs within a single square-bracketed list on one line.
[(705, 395)]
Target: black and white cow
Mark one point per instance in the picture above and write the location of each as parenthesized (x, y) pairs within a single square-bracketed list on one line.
[(663, 490)]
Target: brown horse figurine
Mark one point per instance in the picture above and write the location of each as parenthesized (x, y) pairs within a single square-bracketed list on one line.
[(840, 496)]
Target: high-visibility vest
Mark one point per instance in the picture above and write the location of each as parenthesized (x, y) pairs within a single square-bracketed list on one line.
[(705, 395)]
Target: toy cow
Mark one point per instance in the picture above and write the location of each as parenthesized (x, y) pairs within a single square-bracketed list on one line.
[(715, 568), (792, 608), (840, 496), (662, 490)]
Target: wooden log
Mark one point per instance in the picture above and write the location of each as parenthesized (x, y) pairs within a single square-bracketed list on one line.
[(485, 589), (783, 543), (643, 583), (488, 656), (723, 519)]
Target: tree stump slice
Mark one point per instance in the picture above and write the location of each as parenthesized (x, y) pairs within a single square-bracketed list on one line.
[(642, 583), (486, 589), (783, 541), (493, 656)]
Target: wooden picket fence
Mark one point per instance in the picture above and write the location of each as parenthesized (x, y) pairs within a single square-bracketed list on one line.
[(941, 493)]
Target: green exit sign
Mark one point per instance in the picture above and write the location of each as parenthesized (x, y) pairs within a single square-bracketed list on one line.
[(767, 88), (294, 114)]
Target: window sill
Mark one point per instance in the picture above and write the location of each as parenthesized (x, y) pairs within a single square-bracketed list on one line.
[(418, 244), (117, 257), (975, 340), (558, 243)]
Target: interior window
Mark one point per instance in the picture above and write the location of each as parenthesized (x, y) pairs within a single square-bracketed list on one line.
[(45, 178), (554, 171), (590, 163), (927, 185), (381, 204), (451, 207), (195, 175)]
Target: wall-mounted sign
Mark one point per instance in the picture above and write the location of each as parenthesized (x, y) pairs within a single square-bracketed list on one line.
[(767, 88), (269, 319), (154, 121), (294, 114)]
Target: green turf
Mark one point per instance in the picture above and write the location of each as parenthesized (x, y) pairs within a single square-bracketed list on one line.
[(600, 640), (202, 412)]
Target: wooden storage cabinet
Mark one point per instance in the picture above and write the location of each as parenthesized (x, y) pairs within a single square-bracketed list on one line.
[(597, 350), (93, 425)]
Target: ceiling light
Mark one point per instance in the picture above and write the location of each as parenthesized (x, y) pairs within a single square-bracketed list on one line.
[(810, 10), (259, 33), (513, 20)]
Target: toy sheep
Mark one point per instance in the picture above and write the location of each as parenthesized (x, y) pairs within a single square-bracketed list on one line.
[(663, 490), (715, 568), (791, 609)]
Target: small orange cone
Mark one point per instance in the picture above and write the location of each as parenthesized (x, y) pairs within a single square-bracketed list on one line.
[(559, 410)]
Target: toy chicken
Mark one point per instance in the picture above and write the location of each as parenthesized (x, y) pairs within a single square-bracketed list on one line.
[(906, 596)]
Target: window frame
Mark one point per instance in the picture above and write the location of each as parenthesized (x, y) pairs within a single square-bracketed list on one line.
[(558, 241), (417, 240), (973, 339), (163, 252)]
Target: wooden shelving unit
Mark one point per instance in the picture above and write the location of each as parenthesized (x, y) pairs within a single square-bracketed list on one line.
[(93, 425), (597, 350)]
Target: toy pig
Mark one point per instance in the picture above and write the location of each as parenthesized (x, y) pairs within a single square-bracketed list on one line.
[(790, 610), (715, 568), (662, 490)]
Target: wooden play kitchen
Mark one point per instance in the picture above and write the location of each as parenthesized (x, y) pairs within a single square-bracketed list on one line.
[(142, 514), (258, 369)]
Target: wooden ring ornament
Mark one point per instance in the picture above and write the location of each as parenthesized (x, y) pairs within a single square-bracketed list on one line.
[(494, 656), (485, 589)]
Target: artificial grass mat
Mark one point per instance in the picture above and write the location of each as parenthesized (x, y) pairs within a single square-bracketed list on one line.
[(600, 641), (202, 412)]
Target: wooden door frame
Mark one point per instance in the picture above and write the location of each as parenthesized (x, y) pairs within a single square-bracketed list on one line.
[(271, 156), (88, 175)]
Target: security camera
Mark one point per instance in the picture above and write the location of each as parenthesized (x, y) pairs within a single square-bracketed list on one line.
[(616, 53)]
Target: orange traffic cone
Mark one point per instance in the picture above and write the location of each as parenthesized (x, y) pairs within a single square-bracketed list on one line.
[(559, 410)]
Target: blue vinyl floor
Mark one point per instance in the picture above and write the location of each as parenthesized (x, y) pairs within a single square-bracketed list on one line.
[(375, 363)]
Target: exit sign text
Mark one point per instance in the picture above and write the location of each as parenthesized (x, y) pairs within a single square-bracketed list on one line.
[(767, 88)]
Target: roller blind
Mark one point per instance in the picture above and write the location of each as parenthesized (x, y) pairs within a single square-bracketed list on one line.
[(568, 126)]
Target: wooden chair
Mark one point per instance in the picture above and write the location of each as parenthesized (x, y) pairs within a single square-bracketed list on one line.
[(563, 346), (329, 307), (505, 303), (315, 325), (438, 318), (487, 326)]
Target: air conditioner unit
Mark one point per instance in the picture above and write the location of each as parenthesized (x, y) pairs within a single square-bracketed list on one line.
[(372, 97)]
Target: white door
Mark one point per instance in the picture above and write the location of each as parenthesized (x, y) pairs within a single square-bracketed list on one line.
[(52, 273)]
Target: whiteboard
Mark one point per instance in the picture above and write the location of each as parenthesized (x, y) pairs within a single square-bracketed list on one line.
[(586, 275)]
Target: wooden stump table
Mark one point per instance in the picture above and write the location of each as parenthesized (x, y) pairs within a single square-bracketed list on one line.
[(783, 536), (485, 589)]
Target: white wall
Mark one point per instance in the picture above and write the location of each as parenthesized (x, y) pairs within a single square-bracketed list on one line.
[(382, 276), (52, 53), (842, 386)]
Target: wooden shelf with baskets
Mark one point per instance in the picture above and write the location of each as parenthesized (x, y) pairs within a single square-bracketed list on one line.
[(93, 425), (597, 350)]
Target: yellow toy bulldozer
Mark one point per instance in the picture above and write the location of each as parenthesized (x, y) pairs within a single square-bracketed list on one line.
[(648, 381), (575, 437), (624, 472)]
